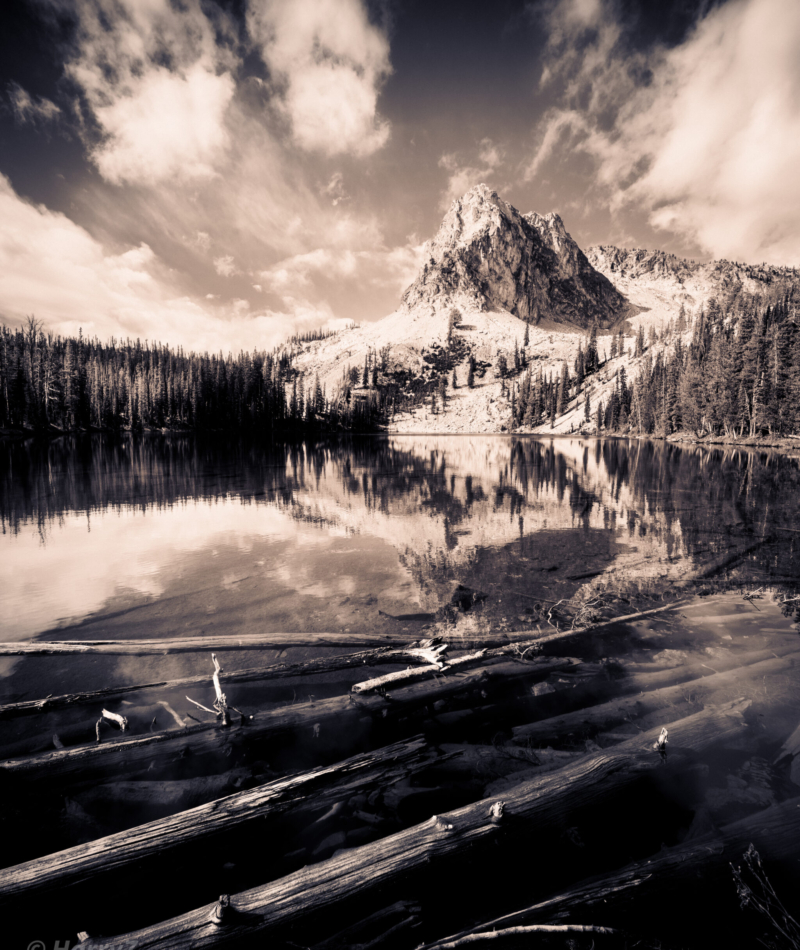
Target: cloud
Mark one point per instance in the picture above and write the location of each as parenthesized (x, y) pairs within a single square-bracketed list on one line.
[(198, 161), (171, 126), (335, 190), (331, 63), (225, 266), (393, 267), (28, 110), (462, 175), (703, 137), (156, 83), (53, 268)]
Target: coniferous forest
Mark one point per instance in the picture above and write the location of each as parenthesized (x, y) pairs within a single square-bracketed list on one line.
[(730, 371), (52, 383)]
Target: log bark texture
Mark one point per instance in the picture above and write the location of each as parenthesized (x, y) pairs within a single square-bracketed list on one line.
[(316, 788), (526, 807)]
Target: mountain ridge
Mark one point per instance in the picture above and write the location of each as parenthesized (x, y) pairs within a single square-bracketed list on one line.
[(494, 278)]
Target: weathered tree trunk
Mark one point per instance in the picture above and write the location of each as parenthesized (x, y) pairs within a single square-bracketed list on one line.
[(316, 789), (140, 753), (588, 721), (526, 808)]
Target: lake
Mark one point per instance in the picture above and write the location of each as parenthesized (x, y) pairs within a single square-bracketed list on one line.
[(397, 537)]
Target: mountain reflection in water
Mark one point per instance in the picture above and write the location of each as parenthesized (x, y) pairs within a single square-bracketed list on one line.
[(159, 534)]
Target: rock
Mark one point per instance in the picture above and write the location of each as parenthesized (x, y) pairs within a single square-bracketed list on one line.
[(465, 598), (488, 256)]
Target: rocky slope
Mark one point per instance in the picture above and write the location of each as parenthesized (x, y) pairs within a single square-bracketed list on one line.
[(487, 256), (659, 284), (508, 274), (500, 270)]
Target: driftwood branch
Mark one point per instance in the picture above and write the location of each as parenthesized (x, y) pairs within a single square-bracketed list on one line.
[(405, 677), (529, 806), (450, 943)]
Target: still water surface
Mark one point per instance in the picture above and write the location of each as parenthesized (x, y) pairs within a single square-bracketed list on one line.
[(157, 536), (163, 536)]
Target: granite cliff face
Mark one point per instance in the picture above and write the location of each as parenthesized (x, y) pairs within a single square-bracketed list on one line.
[(487, 256)]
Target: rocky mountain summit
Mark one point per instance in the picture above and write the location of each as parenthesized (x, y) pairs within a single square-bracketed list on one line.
[(487, 256), (503, 297)]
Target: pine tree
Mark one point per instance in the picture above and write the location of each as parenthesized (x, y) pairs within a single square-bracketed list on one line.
[(591, 361)]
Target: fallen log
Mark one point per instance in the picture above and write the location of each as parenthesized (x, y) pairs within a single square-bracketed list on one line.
[(526, 808), (140, 753), (775, 832), (267, 641), (650, 696), (316, 788), (441, 668), (325, 664)]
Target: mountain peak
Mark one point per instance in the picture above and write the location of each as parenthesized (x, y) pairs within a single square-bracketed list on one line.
[(488, 256)]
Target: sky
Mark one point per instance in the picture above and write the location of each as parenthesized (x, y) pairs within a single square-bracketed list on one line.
[(219, 174)]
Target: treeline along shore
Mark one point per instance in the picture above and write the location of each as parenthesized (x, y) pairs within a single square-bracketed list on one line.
[(730, 372), (52, 383)]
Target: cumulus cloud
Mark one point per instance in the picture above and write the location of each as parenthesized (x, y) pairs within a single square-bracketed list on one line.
[(463, 174), (28, 109), (171, 126), (51, 267), (157, 84), (704, 136), (331, 61)]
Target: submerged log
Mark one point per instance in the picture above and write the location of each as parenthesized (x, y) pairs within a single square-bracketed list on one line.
[(540, 641), (316, 788), (325, 664), (139, 753), (649, 698), (774, 831), (153, 799), (528, 807)]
